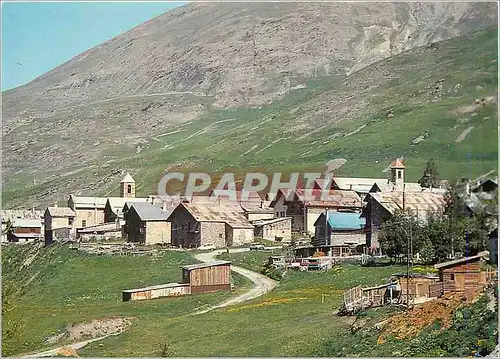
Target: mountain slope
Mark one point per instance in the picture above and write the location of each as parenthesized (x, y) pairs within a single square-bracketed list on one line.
[(106, 114)]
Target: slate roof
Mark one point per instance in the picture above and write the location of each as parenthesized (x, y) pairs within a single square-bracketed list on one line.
[(336, 198), (149, 212), (205, 265), (417, 202), (60, 212), (226, 212)]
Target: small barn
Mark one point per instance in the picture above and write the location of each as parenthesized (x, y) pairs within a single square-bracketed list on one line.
[(464, 274), (418, 287), (208, 277)]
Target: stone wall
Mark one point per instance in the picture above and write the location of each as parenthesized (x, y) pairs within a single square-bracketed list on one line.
[(158, 232), (241, 236), (92, 217), (281, 229), (213, 233)]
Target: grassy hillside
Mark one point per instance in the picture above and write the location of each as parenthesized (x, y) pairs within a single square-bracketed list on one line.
[(326, 118), (296, 319), (62, 287)]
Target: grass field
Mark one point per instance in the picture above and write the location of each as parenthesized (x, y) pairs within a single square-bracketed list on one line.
[(65, 287), (296, 319)]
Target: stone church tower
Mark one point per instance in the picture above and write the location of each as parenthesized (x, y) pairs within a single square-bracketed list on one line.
[(398, 174), (127, 187)]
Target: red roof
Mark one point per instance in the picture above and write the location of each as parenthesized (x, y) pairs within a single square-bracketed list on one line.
[(398, 163)]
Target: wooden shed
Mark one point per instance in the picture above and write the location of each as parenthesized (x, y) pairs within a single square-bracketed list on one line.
[(208, 277), (420, 287), (464, 274), (156, 291)]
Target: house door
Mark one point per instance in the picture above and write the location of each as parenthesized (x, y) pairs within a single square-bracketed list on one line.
[(460, 281)]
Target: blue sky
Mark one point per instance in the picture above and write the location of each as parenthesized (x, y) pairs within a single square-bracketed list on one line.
[(36, 37)]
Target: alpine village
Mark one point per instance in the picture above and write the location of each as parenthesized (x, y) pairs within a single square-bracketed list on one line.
[(400, 259)]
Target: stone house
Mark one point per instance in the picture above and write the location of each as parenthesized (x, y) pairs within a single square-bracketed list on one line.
[(25, 230), (381, 206), (59, 224), (340, 233), (210, 221), (147, 224), (89, 210), (305, 206), (277, 229)]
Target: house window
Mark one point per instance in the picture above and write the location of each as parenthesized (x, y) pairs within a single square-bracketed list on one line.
[(129, 189), (452, 276), (399, 174), (70, 221), (84, 223), (141, 230), (220, 235)]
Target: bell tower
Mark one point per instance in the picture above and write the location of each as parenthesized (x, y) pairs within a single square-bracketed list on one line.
[(397, 173), (127, 189)]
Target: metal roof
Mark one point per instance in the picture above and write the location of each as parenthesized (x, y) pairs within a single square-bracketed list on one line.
[(27, 223), (149, 212), (480, 255), (345, 220), (60, 212), (215, 211), (205, 265), (127, 179)]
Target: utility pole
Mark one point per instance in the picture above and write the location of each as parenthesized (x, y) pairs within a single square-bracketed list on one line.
[(407, 274)]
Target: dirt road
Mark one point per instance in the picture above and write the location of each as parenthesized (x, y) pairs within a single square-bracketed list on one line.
[(262, 284)]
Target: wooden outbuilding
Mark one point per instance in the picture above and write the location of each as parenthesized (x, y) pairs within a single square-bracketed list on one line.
[(464, 274), (208, 277)]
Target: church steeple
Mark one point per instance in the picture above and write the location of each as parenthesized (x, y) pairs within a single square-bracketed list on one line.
[(398, 173), (127, 186)]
